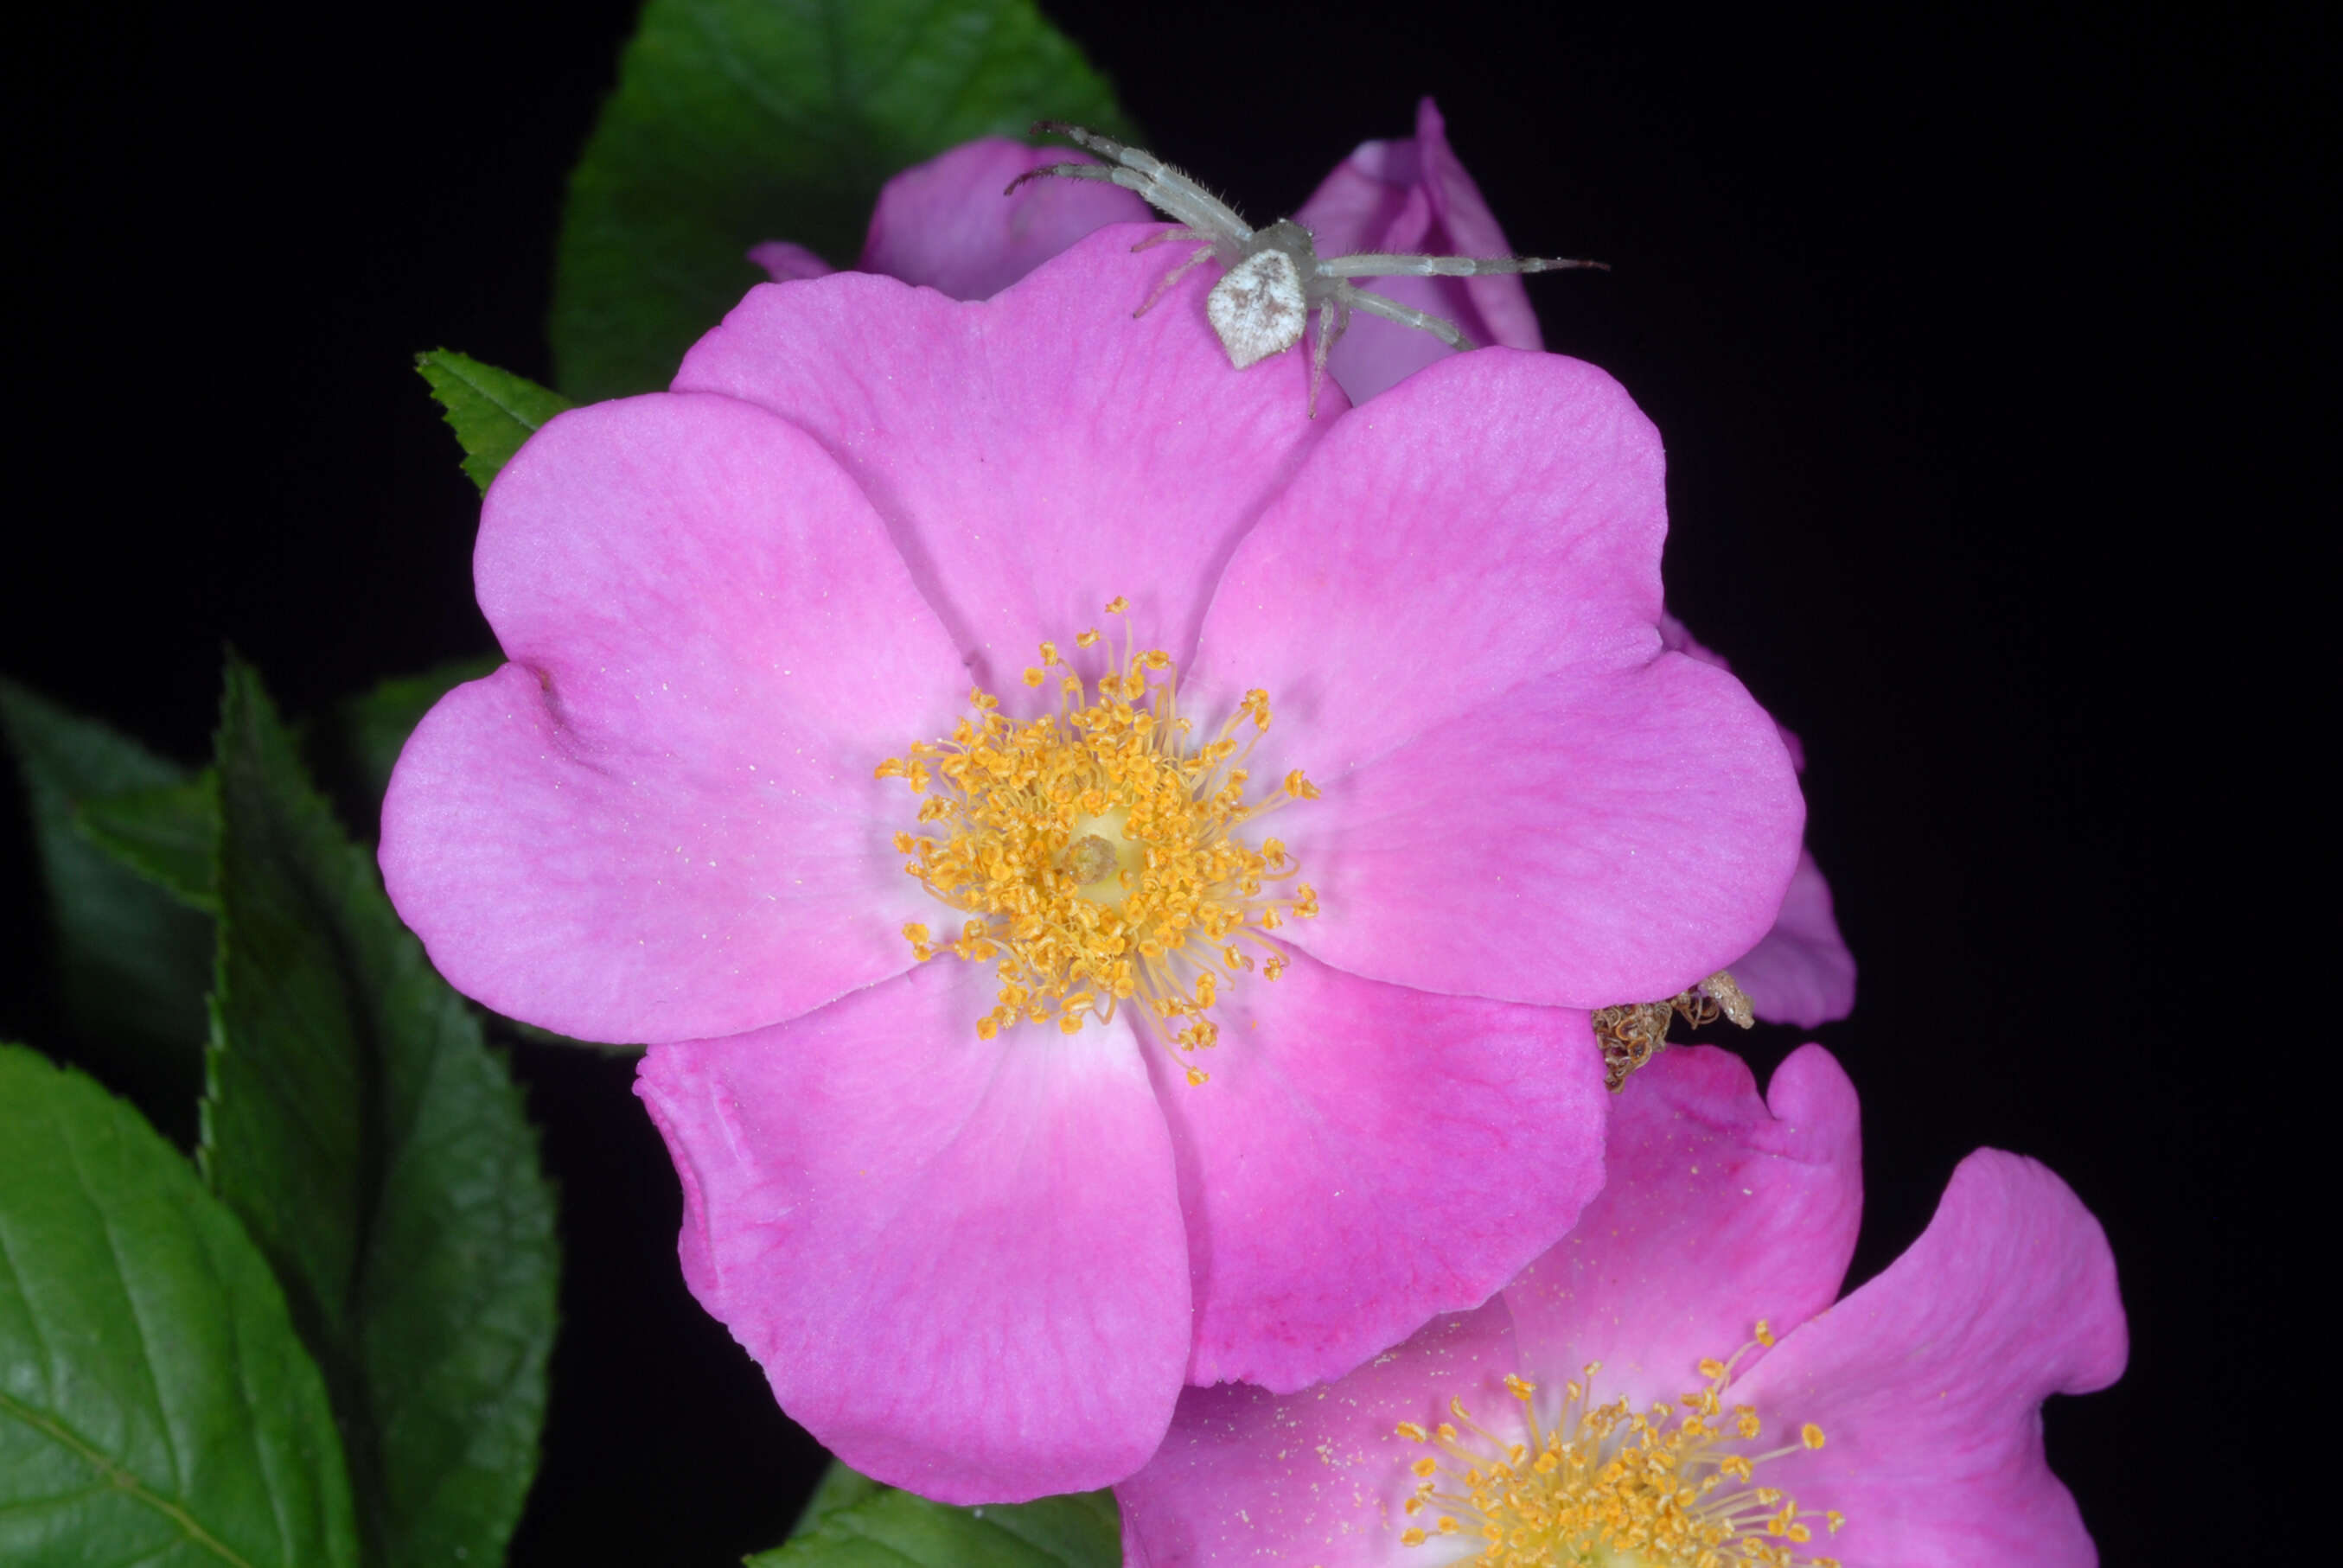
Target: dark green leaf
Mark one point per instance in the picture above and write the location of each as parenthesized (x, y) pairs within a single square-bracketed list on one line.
[(739, 121), (379, 1153), (170, 834), (155, 1406), (892, 1529), (373, 727), (133, 962), (492, 411)]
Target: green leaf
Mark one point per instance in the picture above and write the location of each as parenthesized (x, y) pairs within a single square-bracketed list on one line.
[(373, 727), (892, 1529), (155, 1406), (379, 1152), (133, 961), (169, 834), (492, 411), (840, 1487), (739, 121)]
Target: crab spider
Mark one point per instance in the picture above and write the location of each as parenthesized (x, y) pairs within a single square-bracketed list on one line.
[(1274, 275)]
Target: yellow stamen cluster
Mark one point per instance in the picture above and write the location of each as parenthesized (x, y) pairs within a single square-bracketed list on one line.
[(1096, 850), (1607, 1482)]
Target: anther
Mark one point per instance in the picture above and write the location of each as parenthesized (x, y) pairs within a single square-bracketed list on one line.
[(1610, 1483)]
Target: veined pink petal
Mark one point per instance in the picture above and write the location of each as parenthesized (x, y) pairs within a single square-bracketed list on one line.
[(944, 224), (1413, 197), (1601, 838), (1498, 522), (787, 262), (1718, 1210), (1928, 1382), (1037, 454), (1317, 1477), (1528, 801), (659, 820), (959, 1261), (1366, 1156), (1801, 973)]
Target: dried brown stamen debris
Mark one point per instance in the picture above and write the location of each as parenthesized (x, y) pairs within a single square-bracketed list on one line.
[(1631, 1033)]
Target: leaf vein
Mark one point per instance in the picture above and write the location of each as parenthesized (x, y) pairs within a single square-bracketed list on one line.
[(119, 1478)]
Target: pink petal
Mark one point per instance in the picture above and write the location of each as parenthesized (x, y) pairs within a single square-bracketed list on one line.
[(1452, 609), (959, 1262), (1413, 197), (1471, 229), (1316, 1477), (1498, 522), (1719, 1209), (1928, 1382), (787, 262), (1365, 1156), (1037, 454), (1678, 638), (660, 821), (1801, 973), (1590, 841), (944, 224)]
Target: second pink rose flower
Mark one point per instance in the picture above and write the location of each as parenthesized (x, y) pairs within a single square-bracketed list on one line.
[(1598, 1410)]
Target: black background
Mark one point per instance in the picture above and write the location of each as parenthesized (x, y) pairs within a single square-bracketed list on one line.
[(1967, 338)]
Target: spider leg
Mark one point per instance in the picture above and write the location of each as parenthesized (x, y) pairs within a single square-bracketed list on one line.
[(1166, 236), (1375, 266), (1447, 331), (1155, 181), (1122, 177), (1333, 321), (1104, 145), (1172, 276)]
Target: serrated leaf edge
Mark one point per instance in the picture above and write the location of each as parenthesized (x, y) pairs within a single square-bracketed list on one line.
[(458, 367), (454, 364)]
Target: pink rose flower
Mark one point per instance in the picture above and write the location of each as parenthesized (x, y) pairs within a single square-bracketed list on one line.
[(1899, 1428), (948, 1172)]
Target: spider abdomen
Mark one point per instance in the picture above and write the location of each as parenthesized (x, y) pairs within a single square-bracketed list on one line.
[(1258, 307)]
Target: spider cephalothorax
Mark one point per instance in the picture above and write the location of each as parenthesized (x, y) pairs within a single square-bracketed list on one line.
[(1273, 276)]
